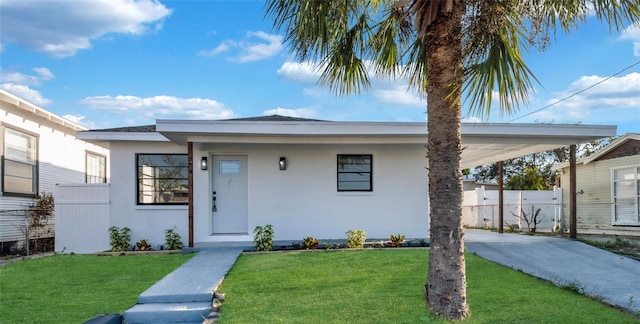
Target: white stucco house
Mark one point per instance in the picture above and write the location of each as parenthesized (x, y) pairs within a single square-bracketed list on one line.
[(215, 180), (40, 150)]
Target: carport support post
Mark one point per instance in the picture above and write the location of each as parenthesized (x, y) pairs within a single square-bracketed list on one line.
[(500, 199), (190, 188), (572, 192)]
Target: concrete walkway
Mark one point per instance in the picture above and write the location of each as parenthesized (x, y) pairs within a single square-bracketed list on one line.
[(614, 278), (186, 294)]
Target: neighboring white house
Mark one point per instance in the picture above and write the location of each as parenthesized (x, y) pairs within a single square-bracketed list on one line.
[(40, 150), (608, 188), (305, 177)]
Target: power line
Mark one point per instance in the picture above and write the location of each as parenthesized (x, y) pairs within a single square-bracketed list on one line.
[(577, 93)]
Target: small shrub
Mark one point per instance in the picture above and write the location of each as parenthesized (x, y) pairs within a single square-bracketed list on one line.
[(310, 242), (513, 228), (42, 209), (377, 244), (396, 239), (143, 245), (531, 219), (296, 245), (355, 239), (119, 238), (172, 240), (263, 238)]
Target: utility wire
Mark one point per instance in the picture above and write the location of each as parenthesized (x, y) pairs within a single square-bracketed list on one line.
[(577, 93)]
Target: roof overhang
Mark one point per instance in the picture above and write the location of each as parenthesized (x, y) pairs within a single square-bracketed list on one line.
[(22, 104), (608, 148), (482, 142)]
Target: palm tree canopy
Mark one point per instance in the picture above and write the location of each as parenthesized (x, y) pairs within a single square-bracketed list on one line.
[(351, 39)]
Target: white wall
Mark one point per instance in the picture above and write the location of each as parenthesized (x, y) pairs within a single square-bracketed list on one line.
[(304, 201), (145, 221), (82, 218), (301, 201)]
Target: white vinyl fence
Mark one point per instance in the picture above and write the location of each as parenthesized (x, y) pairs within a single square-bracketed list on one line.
[(82, 218), (480, 208)]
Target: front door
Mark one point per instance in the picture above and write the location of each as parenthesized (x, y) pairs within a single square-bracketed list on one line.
[(230, 192)]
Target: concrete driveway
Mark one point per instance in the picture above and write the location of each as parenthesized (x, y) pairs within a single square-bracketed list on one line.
[(614, 278)]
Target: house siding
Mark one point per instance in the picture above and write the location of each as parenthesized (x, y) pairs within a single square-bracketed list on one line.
[(61, 156), (593, 201)]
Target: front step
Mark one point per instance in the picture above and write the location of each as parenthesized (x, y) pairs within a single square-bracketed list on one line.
[(165, 313)]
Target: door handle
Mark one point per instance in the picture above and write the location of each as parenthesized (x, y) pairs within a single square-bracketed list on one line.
[(214, 208)]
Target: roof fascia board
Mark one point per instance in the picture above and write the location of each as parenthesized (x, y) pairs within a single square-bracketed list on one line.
[(279, 139), (40, 112), (289, 128), (613, 145), (121, 136), (376, 128)]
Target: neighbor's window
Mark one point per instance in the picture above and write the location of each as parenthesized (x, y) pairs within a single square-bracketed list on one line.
[(626, 195), (355, 172), (96, 168), (162, 179), (19, 163)]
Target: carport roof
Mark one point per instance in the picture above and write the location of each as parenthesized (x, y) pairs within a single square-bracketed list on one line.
[(481, 142)]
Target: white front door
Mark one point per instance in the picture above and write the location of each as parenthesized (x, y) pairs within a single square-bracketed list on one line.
[(230, 193)]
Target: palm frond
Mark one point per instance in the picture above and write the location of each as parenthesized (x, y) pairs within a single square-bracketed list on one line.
[(417, 68), (495, 64), (618, 14)]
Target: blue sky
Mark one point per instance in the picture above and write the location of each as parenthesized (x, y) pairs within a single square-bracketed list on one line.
[(112, 63)]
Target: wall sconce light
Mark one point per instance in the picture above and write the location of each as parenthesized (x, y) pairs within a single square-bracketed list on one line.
[(282, 163), (203, 163)]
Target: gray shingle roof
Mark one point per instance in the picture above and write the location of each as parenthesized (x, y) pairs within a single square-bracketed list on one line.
[(152, 128), (128, 129), (274, 118)]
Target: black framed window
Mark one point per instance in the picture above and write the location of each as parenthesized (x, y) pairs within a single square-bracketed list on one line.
[(19, 163), (355, 172), (162, 179), (96, 168)]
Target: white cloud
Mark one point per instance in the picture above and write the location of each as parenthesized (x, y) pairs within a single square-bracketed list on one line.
[(225, 46), (45, 74), (26, 93), (256, 46), (20, 84), (160, 107), (42, 74), (300, 112), (304, 72), (632, 33), (81, 120), (616, 100), (384, 89), (61, 28), (397, 94), (471, 120)]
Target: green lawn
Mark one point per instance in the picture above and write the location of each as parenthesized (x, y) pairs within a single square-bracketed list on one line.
[(75, 288), (386, 286)]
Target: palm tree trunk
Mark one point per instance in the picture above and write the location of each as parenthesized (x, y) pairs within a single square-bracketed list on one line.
[(446, 281)]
